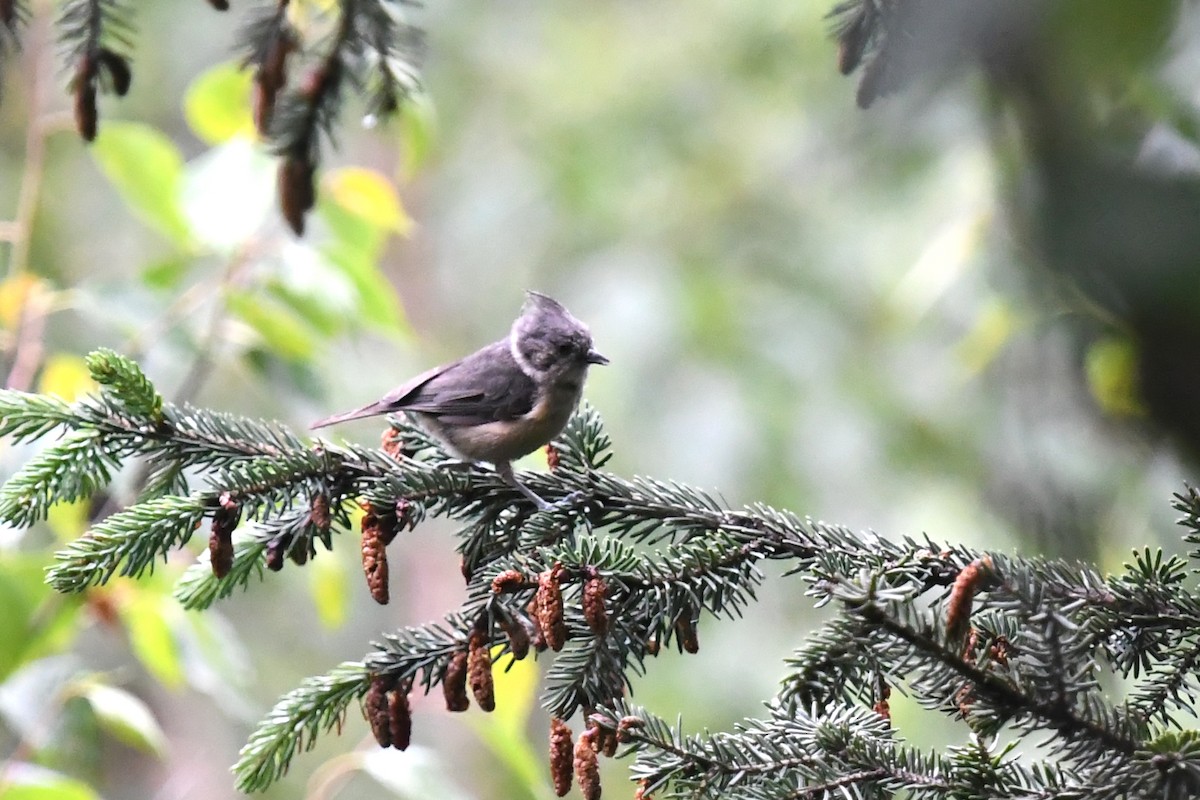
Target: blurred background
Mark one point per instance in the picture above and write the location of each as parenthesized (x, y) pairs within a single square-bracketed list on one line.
[(884, 318)]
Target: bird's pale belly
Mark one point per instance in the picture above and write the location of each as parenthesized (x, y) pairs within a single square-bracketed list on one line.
[(508, 440)]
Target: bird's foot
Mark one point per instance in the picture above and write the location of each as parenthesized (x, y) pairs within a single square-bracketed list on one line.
[(567, 503)]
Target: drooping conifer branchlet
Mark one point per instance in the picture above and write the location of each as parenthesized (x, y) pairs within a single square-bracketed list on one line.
[(370, 47), (993, 642), (97, 36), (301, 71)]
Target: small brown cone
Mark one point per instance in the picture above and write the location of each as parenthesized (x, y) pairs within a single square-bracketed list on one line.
[(627, 724), (518, 636), (962, 597), (560, 756), (685, 629), (399, 715), (374, 558), (595, 593), (118, 70), (277, 551), (507, 581), (587, 765), (375, 707), (550, 607), (454, 684), (318, 512), (297, 190), (84, 88), (479, 671), (220, 539)]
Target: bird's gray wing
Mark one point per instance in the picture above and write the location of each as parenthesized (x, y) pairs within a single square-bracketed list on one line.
[(486, 386)]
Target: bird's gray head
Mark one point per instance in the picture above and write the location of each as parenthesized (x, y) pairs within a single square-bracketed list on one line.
[(549, 343)]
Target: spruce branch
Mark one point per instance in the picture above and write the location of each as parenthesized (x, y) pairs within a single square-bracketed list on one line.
[(317, 706), (128, 542), (620, 567)]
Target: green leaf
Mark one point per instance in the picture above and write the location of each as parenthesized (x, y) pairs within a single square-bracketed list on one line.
[(283, 332), (379, 305), (329, 586), (165, 274), (147, 616), (33, 620), (367, 195), (418, 129), (146, 169), (30, 782), (217, 103), (126, 717), (1111, 366)]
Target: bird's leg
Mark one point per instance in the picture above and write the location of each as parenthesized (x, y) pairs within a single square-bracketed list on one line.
[(505, 470)]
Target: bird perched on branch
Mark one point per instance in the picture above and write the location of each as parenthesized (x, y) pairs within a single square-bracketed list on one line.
[(505, 400)]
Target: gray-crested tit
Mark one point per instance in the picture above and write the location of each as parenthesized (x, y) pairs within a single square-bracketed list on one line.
[(505, 400)]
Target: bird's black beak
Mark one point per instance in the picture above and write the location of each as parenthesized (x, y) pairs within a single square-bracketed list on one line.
[(595, 358)]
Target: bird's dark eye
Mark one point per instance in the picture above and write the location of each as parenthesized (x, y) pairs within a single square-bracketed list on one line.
[(565, 348)]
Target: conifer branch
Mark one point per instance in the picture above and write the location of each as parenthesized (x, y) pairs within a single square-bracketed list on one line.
[(619, 568), (317, 706)]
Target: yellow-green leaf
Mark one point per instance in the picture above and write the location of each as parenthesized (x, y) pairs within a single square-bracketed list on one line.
[(328, 585), (281, 330), (30, 782), (1111, 366), (146, 169), (126, 717), (993, 328), (418, 127), (66, 376), (367, 195), (217, 104), (379, 307), (146, 615)]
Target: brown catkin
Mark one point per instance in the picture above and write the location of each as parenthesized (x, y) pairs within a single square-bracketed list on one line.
[(375, 707), (518, 636), (220, 540), (587, 765), (318, 511), (685, 629), (962, 596), (479, 671), (595, 593), (84, 86), (374, 558), (608, 742), (507, 581), (552, 457), (550, 607), (118, 70), (642, 792), (392, 443), (399, 715), (297, 190), (277, 551), (560, 756), (454, 684), (627, 724)]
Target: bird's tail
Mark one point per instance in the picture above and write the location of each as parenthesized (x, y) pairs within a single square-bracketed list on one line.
[(369, 410)]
